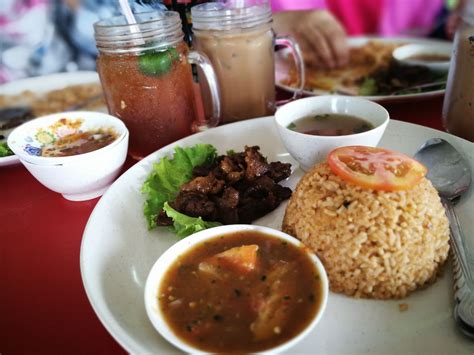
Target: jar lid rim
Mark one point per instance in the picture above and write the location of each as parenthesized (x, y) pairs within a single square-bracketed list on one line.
[(141, 17), (155, 29), (220, 16)]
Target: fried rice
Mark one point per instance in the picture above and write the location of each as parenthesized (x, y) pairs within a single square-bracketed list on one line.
[(373, 244)]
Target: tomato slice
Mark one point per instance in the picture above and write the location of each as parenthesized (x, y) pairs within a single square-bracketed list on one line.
[(376, 168)]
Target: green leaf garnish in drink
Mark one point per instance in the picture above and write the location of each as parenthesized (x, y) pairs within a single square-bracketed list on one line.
[(154, 63)]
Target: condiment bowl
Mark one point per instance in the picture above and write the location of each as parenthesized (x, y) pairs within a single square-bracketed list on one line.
[(80, 176), (309, 149), (159, 270), (425, 55)]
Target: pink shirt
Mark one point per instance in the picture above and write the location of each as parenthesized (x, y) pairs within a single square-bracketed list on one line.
[(287, 5), (382, 17)]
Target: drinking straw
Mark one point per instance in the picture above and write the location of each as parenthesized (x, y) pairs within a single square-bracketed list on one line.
[(127, 11), (235, 4), (240, 4)]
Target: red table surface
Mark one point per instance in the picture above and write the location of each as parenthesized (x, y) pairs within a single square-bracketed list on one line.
[(43, 305)]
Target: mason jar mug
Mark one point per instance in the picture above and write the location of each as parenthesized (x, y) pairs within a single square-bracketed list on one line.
[(146, 76)]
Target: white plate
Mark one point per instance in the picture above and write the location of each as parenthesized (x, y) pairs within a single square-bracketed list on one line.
[(41, 85), (282, 68), (118, 251), (9, 160)]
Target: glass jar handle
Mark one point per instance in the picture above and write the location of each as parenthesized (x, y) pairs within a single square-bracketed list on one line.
[(202, 61), (289, 42)]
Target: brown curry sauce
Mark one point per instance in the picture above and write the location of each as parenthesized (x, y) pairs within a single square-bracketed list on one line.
[(80, 143), (429, 58), (222, 297)]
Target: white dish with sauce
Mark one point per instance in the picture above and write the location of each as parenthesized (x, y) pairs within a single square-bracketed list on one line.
[(40, 86), (118, 251), (283, 66), (32, 139), (309, 149), (158, 276), (98, 146), (433, 56)]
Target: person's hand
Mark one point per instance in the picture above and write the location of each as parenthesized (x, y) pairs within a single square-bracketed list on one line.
[(321, 37), (452, 23), (454, 19)]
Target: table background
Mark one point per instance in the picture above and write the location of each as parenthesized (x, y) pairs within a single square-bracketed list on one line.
[(43, 305)]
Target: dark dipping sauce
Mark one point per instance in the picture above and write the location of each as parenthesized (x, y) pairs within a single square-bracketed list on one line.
[(330, 125), (429, 58), (79, 143), (251, 298)]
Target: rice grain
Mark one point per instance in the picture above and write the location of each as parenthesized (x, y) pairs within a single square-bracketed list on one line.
[(373, 244)]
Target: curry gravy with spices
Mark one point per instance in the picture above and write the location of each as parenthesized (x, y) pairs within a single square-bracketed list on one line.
[(80, 143), (241, 292)]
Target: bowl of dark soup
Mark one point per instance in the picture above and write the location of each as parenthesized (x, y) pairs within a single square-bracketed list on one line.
[(77, 154), (311, 127), (236, 288)]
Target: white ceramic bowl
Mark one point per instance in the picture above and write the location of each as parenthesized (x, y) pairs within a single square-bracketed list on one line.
[(404, 53), (77, 177), (159, 269), (310, 149)]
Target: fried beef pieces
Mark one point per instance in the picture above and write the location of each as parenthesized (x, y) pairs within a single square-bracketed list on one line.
[(237, 188)]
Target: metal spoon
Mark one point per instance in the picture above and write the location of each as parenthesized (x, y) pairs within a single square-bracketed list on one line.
[(450, 174)]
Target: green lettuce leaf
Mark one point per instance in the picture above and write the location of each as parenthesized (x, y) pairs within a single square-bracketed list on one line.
[(184, 225), (5, 150), (368, 87), (168, 175)]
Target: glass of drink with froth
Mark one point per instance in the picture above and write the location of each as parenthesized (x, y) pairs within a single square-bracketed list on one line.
[(237, 37)]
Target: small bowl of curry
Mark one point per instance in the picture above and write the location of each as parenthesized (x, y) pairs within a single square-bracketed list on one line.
[(236, 288), (436, 57), (77, 154)]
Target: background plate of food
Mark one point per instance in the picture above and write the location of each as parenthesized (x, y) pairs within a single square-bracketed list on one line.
[(33, 97), (118, 250), (372, 73)]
